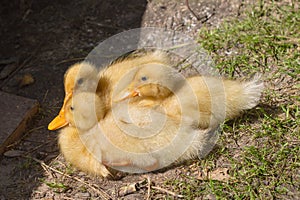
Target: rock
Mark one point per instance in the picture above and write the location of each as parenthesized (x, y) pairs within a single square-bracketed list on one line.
[(13, 153), (82, 195), (16, 112)]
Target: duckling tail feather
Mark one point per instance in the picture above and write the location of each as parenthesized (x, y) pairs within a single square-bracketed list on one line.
[(242, 95)]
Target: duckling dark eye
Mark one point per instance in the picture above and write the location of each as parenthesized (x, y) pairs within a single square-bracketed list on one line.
[(144, 78), (72, 108), (80, 81)]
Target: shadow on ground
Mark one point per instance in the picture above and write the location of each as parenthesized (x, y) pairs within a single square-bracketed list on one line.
[(43, 38)]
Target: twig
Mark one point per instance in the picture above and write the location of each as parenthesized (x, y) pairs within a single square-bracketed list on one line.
[(69, 60), (45, 95), (149, 187), (24, 136), (48, 171), (37, 147), (103, 194), (193, 13), (116, 193), (203, 18), (168, 192), (35, 129), (106, 26)]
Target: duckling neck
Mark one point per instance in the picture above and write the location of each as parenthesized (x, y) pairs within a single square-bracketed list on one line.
[(104, 91)]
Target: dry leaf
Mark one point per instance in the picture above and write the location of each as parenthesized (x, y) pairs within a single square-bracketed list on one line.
[(26, 79), (131, 188), (220, 174), (128, 189)]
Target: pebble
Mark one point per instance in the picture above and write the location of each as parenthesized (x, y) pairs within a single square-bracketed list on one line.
[(81, 195), (13, 153)]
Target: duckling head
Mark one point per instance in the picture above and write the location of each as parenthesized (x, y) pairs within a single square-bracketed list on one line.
[(81, 77), (152, 80), (82, 111)]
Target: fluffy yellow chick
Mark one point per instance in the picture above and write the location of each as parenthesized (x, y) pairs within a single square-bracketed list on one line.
[(79, 77), (120, 73), (76, 153), (214, 98), (105, 135), (70, 143), (132, 144), (84, 76)]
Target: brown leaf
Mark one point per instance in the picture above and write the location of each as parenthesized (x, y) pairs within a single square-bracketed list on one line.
[(220, 174), (128, 189), (131, 188), (26, 79)]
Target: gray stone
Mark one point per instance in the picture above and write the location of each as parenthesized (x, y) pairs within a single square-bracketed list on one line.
[(15, 112)]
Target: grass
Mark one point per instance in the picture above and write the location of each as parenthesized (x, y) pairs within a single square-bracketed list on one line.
[(261, 148), (56, 186)]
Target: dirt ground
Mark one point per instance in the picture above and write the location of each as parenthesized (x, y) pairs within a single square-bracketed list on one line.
[(42, 39)]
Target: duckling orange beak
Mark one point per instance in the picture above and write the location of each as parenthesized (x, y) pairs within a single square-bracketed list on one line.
[(60, 121), (127, 95)]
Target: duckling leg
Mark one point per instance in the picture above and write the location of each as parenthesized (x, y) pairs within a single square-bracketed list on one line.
[(116, 164), (126, 163), (152, 167)]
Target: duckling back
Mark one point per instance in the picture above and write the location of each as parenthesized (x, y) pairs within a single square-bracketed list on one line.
[(217, 98)]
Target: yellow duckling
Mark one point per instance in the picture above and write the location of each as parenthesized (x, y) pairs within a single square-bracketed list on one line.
[(120, 73), (79, 77), (76, 153), (80, 143), (126, 146), (216, 98), (69, 139), (84, 76)]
